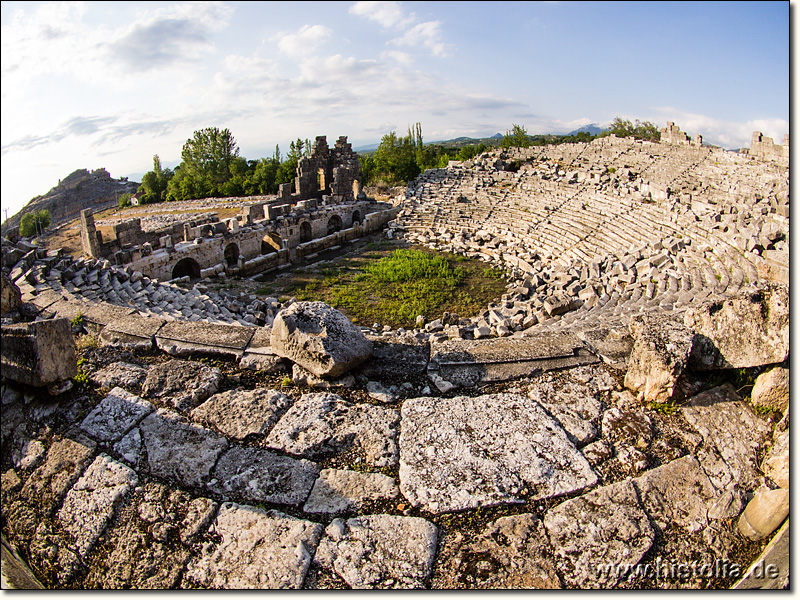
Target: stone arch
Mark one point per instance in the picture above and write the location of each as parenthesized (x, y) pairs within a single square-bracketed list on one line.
[(231, 254), (356, 217), (271, 243), (306, 234), (186, 266), (207, 230), (334, 224)]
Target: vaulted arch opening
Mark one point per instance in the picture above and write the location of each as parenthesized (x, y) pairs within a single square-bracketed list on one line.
[(186, 267)]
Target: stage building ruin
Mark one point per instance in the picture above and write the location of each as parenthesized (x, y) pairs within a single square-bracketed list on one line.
[(327, 209)]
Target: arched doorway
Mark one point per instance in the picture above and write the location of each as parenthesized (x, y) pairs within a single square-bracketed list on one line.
[(306, 234), (356, 217), (186, 267), (231, 255), (334, 224)]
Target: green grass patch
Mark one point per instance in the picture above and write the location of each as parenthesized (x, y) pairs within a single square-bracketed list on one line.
[(401, 284)]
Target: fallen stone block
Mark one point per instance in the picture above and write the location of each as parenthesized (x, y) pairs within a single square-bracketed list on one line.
[(238, 414), (659, 356), (748, 330), (771, 390), (319, 338), (764, 513), (39, 353)]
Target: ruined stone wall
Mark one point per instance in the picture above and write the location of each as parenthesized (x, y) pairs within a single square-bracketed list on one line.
[(764, 148)]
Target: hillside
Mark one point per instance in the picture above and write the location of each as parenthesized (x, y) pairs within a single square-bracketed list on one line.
[(80, 189)]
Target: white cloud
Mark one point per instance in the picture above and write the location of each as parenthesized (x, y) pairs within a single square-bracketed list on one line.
[(305, 41), (390, 15), (387, 14), (426, 34)]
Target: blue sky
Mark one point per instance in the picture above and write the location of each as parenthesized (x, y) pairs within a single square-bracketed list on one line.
[(110, 84)]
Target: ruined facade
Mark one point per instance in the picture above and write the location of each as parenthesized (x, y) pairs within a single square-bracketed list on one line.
[(765, 149), (672, 134), (327, 210)]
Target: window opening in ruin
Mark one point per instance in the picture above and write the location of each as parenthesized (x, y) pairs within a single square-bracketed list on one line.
[(186, 267), (306, 234), (270, 243), (356, 217), (334, 224), (231, 255)]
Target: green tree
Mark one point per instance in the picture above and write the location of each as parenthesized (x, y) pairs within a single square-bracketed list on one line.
[(395, 160), (641, 130), (34, 223), (208, 159), (516, 137), (155, 183)]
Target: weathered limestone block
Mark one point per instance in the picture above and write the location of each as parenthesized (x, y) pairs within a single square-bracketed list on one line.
[(116, 414), (460, 453), (764, 513), (63, 464), (90, 504), (181, 383), (258, 550), (119, 374), (771, 390), (776, 462), (238, 414), (260, 475), (179, 450), (731, 432), (748, 330), (607, 526), (659, 356), (341, 490), (380, 551), (510, 553), (678, 493), (319, 338), (10, 296), (323, 423), (39, 353)]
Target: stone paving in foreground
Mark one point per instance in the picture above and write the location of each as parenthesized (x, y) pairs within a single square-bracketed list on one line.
[(292, 488)]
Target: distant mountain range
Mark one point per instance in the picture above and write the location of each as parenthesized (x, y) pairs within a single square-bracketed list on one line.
[(592, 129)]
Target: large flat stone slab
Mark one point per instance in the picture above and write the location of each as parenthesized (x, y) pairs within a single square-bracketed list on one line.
[(598, 532), (184, 338), (460, 453), (178, 450), (466, 362), (181, 384), (341, 490), (395, 358), (258, 549), (133, 331), (90, 504), (729, 427), (61, 468), (380, 551), (510, 553), (677, 493), (259, 475), (324, 424), (238, 414), (117, 413)]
